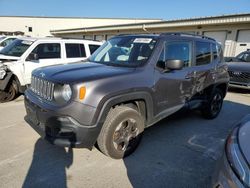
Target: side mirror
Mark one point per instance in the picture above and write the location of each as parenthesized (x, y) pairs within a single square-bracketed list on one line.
[(228, 59), (4, 44), (32, 57), (174, 64)]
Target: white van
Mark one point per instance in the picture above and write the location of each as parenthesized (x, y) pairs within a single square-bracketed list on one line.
[(23, 55)]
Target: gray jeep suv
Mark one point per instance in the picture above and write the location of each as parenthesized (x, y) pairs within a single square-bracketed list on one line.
[(130, 83)]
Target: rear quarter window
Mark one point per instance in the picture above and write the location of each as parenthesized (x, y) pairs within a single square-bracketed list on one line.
[(220, 52), (93, 48), (215, 51)]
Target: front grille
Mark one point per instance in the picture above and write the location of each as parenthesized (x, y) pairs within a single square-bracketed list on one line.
[(240, 77), (42, 88)]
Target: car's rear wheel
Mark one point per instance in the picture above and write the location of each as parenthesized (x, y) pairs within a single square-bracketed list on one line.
[(213, 106), (9, 93), (121, 132)]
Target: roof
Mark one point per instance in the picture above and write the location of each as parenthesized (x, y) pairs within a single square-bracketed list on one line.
[(37, 38), (33, 39), (212, 20), (170, 35)]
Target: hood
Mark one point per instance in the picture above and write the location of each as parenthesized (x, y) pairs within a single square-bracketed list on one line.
[(79, 72), (244, 138), (4, 58), (239, 66)]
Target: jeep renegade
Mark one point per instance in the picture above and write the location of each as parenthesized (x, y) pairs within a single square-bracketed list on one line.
[(130, 83)]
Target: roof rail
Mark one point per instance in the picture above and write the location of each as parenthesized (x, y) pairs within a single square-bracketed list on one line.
[(72, 38), (122, 34), (188, 34)]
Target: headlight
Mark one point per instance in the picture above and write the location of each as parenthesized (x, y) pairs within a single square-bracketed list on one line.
[(66, 92), (62, 93), (2, 74), (236, 158)]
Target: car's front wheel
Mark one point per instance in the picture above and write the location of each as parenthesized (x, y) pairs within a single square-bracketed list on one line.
[(10, 93), (121, 132), (213, 106)]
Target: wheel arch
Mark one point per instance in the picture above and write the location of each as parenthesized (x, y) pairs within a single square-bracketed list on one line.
[(142, 100), (221, 86), (4, 82), (19, 87)]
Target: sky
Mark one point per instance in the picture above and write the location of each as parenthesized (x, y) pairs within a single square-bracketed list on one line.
[(163, 9)]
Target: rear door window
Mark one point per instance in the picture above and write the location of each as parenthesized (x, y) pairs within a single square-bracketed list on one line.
[(75, 50), (203, 53)]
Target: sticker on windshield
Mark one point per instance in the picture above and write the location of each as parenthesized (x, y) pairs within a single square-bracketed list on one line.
[(27, 42), (142, 40)]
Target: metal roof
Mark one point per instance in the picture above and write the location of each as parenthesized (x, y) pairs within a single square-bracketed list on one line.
[(212, 20)]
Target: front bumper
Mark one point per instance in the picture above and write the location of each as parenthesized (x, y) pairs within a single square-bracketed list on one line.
[(239, 85), (225, 176), (62, 127)]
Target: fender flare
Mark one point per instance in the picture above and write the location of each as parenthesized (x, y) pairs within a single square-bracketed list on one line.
[(103, 108)]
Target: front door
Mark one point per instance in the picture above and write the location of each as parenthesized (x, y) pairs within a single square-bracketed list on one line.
[(174, 87), (44, 54)]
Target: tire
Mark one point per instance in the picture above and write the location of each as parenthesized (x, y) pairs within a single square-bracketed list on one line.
[(121, 132), (213, 107), (9, 93)]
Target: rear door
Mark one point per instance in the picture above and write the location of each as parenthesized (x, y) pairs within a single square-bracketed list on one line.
[(173, 88), (204, 69)]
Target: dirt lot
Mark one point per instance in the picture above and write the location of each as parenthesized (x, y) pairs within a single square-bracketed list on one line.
[(180, 151)]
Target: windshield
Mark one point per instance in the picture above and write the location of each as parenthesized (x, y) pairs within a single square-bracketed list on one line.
[(1, 38), (124, 51), (16, 48), (243, 57)]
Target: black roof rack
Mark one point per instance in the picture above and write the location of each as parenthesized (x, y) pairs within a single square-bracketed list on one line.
[(188, 34), (79, 39)]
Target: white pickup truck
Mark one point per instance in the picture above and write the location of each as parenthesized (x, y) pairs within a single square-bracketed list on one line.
[(5, 41), (22, 56)]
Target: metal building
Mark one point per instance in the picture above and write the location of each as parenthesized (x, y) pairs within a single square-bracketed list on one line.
[(232, 31), (40, 26)]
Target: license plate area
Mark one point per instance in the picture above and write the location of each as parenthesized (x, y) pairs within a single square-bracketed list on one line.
[(32, 115)]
